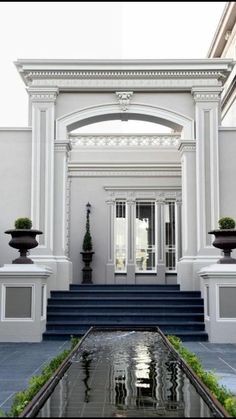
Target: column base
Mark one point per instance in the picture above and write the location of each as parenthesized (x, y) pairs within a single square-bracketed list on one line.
[(23, 294), (218, 285), (61, 267), (161, 274), (188, 268), (130, 277), (110, 273)]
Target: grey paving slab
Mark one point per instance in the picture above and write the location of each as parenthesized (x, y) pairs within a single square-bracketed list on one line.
[(221, 358), (19, 362)]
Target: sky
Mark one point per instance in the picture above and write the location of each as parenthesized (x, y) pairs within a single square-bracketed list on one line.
[(97, 30)]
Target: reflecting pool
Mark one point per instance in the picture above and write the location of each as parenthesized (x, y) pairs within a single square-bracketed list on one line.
[(124, 374)]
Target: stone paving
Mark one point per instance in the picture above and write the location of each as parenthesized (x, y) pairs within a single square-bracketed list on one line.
[(20, 361), (221, 358)]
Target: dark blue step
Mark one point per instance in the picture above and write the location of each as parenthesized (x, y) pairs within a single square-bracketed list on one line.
[(107, 293), (126, 315), (70, 326), (110, 309), (188, 336), (141, 287), (176, 312), (124, 301)]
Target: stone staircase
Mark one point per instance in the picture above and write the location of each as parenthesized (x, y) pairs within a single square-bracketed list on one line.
[(175, 312)]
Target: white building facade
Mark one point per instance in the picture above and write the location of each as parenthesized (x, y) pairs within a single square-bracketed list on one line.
[(153, 197)]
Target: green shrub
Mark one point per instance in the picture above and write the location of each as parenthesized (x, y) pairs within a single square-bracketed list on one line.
[(221, 393), (87, 241), (226, 223), (23, 223), (22, 398)]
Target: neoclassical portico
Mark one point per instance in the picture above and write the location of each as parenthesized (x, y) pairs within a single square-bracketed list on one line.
[(68, 170)]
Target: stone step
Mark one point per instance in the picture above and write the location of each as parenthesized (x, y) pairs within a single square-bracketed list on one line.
[(119, 308)]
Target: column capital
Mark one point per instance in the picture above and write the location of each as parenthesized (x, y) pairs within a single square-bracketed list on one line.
[(187, 145), (131, 198), (206, 94), (64, 146), (43, 94), (160, 198)]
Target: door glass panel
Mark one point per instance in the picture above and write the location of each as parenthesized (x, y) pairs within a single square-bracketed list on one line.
[(120, 237), (170, 247), (145, 236)]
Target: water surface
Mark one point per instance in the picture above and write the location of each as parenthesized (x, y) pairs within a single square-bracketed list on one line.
[(124, 374)]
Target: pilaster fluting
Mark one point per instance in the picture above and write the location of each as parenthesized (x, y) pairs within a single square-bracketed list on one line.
[(42, 179), (160, 238), (110, 267), (207, 105), (131, 216), (62, 199)]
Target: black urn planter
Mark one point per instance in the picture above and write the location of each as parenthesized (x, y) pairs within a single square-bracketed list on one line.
[(23, 240), (87, 257), (225, 239)]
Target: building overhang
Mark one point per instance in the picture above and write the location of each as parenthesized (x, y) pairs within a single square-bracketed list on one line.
[(137, 75), (223, 31)]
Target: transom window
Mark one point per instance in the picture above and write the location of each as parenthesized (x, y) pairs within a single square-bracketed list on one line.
[(146, 240)]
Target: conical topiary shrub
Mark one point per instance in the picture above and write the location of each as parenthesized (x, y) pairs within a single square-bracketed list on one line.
[(87, 253)]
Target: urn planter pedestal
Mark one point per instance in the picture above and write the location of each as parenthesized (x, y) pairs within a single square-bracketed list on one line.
[(225, 239), (87, 257), (23, 240)]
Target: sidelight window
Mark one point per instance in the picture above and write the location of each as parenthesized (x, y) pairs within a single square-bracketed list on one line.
[(120, 236), (145, 236)]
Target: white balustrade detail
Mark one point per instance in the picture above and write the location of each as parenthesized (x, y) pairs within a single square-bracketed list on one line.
[(119, 141)]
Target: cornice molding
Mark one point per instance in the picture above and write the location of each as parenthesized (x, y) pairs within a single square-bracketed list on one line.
[(64, 146), (131, 194), (187, 145), (77, 169), (123, 74)]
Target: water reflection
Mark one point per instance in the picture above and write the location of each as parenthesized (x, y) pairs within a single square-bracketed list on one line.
[(86, 361), (124, 374)]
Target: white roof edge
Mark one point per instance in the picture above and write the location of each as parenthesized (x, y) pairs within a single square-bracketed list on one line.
[(145, 64), (15, 128), (226, 21)]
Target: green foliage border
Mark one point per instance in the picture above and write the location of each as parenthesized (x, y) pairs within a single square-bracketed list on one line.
[(23, 398), (220, 392)]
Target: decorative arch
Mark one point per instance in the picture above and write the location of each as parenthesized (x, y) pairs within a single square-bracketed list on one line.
[(137, 111)]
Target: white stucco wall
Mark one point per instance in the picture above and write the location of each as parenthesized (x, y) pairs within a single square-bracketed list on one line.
[(181, 102), (15, 184)]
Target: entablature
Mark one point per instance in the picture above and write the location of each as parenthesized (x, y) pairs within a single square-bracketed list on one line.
[(102, 75)]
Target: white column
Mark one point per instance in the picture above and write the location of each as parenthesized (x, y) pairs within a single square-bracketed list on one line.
[(131, 216), (161, 267), (178, 218), (110, 268), (207, 111), (189, 218), (42, 179), (207, 165), (42, 102), (62, 184)]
